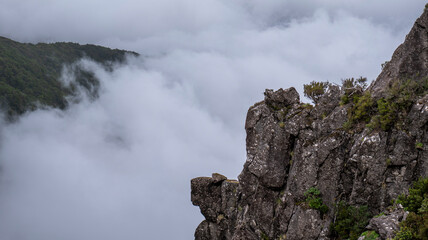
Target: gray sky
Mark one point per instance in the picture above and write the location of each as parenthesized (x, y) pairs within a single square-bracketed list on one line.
[(120, 167)]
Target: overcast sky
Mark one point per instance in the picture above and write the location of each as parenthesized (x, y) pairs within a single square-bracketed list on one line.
[(120, 167)]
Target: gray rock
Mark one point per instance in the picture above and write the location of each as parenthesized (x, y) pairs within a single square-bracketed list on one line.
[(282, 97), (410, 60), (207, 231), (305, 224), (387, 224), (292, 147), (217, 200), (217, 177)]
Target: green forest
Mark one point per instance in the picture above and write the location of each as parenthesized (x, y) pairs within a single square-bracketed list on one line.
[(29, 73)]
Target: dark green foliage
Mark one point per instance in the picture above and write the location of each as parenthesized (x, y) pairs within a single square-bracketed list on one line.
[(386, 112), (347, 125), (362, 107), (416, 202), (313, 199), (393, 108), (354, 85), (353, 89), (29, 72), (386, 115), (417, 193), (414, 227), (264, 236), (315, 90), (306, 106), (419, 145), (405, 233), (370, 235), (405, 92), (361, 110), (350, 221)]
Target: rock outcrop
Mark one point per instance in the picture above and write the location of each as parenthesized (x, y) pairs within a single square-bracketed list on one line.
[(293, 147), (386, 225), (410, 59)]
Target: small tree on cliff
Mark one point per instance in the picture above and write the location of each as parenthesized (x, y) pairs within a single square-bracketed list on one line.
[(315, 90), (353, 87)]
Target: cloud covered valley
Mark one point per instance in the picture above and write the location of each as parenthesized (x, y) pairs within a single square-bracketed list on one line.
[(119, 167)]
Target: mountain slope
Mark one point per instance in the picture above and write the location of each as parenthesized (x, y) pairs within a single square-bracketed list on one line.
[(29, 72)]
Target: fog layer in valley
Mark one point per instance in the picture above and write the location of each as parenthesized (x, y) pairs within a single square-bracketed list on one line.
[(120, 167)]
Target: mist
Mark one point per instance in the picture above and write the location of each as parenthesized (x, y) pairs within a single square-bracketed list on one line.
[(116, 168), (120, 167)]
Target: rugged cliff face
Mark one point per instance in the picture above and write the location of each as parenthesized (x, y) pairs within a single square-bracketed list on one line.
[(410, 59), (304, 163)]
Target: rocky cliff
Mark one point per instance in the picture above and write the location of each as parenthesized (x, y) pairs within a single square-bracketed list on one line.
[(356, 150)]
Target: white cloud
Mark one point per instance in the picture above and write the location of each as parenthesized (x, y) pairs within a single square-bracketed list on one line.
[(120, 167), (117, 168)]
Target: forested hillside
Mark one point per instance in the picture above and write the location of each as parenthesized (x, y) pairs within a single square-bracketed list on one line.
[(29, 73)]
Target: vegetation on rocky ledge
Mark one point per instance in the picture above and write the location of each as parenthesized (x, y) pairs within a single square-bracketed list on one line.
[(313, 199), (315, 90), (416, 202), (350, 221), (354, 151), (376, 114)]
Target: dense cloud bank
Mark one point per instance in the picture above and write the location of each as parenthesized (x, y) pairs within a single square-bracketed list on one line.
[(119, 167), (116, 168)]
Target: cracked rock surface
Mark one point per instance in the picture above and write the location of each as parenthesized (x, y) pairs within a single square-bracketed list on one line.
[(292, 147), (388, 224)]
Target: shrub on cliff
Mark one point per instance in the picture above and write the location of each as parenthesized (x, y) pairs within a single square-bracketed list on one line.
[(350, 221), (416, 202), (386, 112), (315, 90), (353, 89), (313, 199)]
